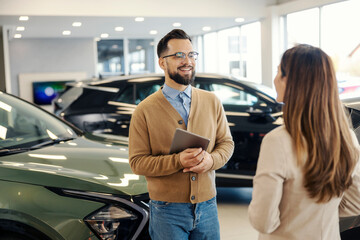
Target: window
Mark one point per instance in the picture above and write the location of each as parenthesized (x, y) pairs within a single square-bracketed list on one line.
[(333, 28), (341, 40), (210, 53), (110, 57), (230, 95), (144, 90), (141, 56), (235, 51), (303, 27)]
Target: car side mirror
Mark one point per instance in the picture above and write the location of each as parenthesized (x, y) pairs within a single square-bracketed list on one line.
[(260, 114)]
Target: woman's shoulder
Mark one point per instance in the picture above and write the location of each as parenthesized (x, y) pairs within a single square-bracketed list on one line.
[(278, 136), (280, 131)]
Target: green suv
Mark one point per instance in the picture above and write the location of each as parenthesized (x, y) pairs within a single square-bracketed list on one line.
[(57, 183)]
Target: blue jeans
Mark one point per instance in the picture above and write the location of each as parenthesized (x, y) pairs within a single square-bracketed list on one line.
[(180, 221)]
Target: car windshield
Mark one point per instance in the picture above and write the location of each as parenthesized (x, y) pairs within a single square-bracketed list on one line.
[(23, 125)]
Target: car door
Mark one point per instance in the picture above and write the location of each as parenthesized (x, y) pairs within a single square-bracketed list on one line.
[(248, 119)]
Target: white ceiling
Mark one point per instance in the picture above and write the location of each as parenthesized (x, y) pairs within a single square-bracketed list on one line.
[(48, 19)]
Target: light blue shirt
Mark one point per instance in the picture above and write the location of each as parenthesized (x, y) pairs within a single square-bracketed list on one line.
[(181, 101)]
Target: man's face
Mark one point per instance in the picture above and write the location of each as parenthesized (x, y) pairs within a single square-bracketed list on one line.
[(180, 70)]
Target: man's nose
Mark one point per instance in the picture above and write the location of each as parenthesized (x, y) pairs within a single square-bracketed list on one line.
[(187, 59)]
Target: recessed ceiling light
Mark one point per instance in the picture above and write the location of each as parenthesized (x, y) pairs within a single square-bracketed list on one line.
[(17, 35), (76, 24), (119, 29), (104, 35), (177, 24), (239, 19), (23, 18), (153, 32), (206, 28), (139, 19), (20, 29), (66, 32)]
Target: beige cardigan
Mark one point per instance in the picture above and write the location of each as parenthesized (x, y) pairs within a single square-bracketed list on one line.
[(280, 207), (152, 128)]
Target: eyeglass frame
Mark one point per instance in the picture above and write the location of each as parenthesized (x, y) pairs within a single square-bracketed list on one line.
[(195, 55)]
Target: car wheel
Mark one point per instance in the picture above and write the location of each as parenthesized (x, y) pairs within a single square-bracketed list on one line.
[(13, 236), (11, 230)]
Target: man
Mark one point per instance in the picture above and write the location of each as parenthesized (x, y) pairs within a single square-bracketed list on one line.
[(181, 186)]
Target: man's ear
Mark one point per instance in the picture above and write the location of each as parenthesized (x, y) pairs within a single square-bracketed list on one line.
[(162, 63)]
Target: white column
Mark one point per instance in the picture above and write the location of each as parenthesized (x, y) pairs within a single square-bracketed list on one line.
[(5, 44), (270, 45), (126, 57)]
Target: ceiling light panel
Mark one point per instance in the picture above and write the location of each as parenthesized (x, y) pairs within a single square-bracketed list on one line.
[(119, 29), (104, 35), (139, 19), (66, 33), (206, 28), (76, 24), (238, 20), (23, 18)]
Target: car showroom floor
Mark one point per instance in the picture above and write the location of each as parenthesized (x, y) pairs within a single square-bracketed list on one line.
[(232, 207)]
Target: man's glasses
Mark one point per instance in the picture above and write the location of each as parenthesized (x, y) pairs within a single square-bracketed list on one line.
[(181, 55)]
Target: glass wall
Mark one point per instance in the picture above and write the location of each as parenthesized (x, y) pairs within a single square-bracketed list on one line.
[(139, 59), (235, 51), (141, 56), (333, 28), (303, 27), (340, 38), (110, 57)]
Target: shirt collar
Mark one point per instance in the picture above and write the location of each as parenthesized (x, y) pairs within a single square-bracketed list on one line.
[(173, 93)]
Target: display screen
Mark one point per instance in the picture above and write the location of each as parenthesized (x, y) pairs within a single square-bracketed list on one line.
[(45, 92)]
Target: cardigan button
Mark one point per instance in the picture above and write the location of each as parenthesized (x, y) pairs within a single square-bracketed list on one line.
[(192, 197), (193, 178), (180, 122)]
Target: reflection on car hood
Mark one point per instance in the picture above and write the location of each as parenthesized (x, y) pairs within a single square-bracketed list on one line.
[(79, 164)]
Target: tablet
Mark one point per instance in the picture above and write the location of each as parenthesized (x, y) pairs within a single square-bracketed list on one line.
[(184, 139)]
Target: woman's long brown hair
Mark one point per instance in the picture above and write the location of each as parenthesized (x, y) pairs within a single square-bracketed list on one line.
[(316, 120)]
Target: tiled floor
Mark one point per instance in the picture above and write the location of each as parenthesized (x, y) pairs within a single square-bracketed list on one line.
[(232, 207)]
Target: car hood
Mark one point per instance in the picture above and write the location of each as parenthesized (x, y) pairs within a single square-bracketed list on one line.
[(79, 164)]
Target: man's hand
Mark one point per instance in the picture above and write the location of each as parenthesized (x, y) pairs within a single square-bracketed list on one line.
[(191, 157), (203, 166)]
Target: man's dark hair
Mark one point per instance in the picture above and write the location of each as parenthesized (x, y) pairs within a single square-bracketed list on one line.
[(174, 34)]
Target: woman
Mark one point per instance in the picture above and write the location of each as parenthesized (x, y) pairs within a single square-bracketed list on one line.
[(306, 172)]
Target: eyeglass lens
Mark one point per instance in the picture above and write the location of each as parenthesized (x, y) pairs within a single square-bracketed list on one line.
[(192, 55)]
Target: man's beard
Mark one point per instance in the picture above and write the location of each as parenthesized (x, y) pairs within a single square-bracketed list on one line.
[(186, 80)]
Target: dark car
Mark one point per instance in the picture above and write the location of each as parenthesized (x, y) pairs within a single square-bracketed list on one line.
[(106, 106), (58, 183)]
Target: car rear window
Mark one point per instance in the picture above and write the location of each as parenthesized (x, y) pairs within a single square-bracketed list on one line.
[(93, 98)]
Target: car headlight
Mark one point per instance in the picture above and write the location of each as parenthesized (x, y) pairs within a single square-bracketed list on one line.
[(113, 222), (120, 219)]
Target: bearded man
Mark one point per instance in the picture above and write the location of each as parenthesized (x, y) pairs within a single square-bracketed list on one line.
[(181, 185)]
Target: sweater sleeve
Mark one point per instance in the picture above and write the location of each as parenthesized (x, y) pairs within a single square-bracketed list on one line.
[(142, 162), (224, 146), (264, 213)]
